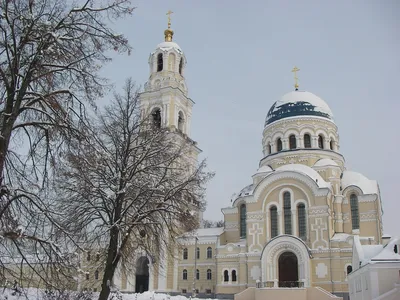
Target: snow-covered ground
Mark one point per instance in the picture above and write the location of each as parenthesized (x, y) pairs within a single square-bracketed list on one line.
[(35, 294)]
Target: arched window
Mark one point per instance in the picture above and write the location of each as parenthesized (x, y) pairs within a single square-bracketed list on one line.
[(184, 274), (209, 252), (301, 217), (320, 142), (197, 274), (96, 275), (181, 121), (349, 269), (198, 253), (307, 141), (185, 253), (88, 256), (87, 276), (332, 144), (226, 276), (156, 117), (209, 274), (269, 148), (181, 66), (355, 221), (274, 221), (234, 276), (243, 221), (159, 62), (171, 62), (292, 141), (279, 145), (287, 212), (395, 249)]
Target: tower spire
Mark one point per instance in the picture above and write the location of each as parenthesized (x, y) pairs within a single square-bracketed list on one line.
[(296, 80), (169, 33)]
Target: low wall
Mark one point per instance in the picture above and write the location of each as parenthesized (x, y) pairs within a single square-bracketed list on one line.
[(247, 294), (311, 293)]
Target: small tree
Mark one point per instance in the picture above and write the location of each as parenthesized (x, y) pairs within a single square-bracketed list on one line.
[(130, 185), (50, 56)]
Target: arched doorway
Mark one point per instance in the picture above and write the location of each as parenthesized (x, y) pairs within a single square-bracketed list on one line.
[(142, 275), (288, 270)]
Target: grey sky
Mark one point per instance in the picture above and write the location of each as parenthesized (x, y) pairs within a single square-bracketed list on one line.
[(240, 54)]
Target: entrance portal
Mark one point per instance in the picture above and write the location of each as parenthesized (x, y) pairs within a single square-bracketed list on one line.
[(142, 275), (288, 270)]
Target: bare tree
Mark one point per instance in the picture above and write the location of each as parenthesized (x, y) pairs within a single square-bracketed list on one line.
[(51, 52), (213, 224), (130, 185)]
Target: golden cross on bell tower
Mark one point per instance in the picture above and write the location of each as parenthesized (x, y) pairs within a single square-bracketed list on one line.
[(296, 80), (169, 17)]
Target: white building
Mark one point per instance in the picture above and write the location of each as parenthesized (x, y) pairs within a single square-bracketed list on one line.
[(375, 271)]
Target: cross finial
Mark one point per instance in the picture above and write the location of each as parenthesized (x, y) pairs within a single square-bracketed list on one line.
[(169, 17), (296, 80)]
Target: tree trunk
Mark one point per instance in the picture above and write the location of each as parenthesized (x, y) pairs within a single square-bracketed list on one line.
[(111, 264)]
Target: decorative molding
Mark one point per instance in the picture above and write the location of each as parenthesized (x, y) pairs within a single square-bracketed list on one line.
[(231, 225), (256, 232), (279, 175), (321, 270), (318, 210), (272, 252), (255, 272), (319, 227)]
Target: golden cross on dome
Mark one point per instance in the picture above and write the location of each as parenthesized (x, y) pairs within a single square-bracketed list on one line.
[(296, 80), (169, 17)]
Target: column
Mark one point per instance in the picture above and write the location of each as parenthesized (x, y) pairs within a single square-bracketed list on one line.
[(280, 222), (285, 144), (299, 142)]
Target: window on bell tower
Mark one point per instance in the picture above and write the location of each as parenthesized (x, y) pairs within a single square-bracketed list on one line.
[(171, 62), (181, 122), (159, 62), (181, 66), (156, 117)]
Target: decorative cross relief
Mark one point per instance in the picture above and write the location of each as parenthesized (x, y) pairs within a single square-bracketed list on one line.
[(319, 227), (255, 232)]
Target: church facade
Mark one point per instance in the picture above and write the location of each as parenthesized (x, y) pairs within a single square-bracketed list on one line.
[(291, 227)]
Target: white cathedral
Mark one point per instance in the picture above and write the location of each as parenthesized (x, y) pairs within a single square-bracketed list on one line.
[(291, 228)]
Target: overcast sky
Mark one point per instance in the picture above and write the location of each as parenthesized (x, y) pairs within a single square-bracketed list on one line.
[(240, 54)]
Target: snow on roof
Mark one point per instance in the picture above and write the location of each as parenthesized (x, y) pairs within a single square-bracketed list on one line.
[(208, 231), (246, 191), (298, 103), (388, 252), (325, 162), (340, 237), (306, 171), (165, 46), (264, 169), (354, 178), (369, 251)]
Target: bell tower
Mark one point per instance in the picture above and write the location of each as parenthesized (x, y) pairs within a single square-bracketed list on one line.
[(165, 94)]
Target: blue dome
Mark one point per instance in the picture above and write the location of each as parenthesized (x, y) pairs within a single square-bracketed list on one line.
[(298, 103)]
